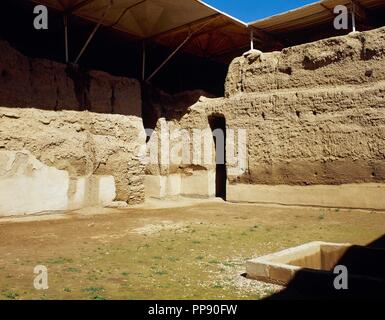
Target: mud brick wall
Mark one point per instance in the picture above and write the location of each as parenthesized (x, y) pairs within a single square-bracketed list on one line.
[(39, 83), (83, 144), (356, 59), (314, 113)]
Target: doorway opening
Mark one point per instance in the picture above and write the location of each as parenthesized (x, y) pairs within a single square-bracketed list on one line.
[(218, 127)]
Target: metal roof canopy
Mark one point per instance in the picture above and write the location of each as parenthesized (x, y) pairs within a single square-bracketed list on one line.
[(142, 18), (189, 25), (197, 28), (166, 22), (312, 15)]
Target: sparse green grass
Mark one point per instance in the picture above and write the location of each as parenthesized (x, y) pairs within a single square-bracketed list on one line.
[(228, 264), (10, 294), (111, 262), (95, 293), (71, 269), (217, 286), (214, 262), (92, 277), (59, 260)]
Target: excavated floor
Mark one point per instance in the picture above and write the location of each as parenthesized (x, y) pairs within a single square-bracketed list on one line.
[(197, 250)]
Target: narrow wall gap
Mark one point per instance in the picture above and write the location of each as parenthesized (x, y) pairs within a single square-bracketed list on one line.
[(218, 125)]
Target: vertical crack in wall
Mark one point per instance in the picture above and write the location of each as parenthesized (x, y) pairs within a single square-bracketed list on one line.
[(82, 81), (113, 98), (57, 93)]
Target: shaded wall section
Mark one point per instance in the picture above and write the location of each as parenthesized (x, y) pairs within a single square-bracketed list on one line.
[(44, 84), (110, 50)]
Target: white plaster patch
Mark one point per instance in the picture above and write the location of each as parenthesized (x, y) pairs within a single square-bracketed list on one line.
[(27, 186)]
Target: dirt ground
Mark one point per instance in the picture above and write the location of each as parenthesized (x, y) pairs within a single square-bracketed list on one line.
[(192, 252)]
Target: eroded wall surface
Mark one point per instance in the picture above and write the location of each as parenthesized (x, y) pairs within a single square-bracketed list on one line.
[(320, 123), (38, 83), (314, 115), (95, 157), (168, 174), (27, 186), (176, 164)]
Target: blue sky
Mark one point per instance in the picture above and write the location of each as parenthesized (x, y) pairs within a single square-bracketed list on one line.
[(251, 10)]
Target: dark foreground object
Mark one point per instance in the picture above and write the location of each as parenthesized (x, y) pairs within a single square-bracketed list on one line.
[(366, 277)]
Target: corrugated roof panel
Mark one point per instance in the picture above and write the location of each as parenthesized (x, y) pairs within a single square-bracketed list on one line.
[(146, 18), (167, 22), (141, 18), (312, 14)]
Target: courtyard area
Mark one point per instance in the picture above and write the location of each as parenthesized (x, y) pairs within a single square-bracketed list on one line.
[(195, 250)]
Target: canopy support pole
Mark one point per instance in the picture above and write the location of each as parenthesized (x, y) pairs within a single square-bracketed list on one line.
[(353, 17), (93, 32), (143, 60), (65, 19), (190, 35), (169, 57), (251, 39)]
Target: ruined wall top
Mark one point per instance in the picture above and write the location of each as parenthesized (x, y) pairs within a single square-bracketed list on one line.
[(39, 83), (346, 60)]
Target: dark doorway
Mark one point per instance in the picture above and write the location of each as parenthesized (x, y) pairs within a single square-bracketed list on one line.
[(218, 127)]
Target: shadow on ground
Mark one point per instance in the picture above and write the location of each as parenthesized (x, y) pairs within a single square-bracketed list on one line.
[(366, 267)]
